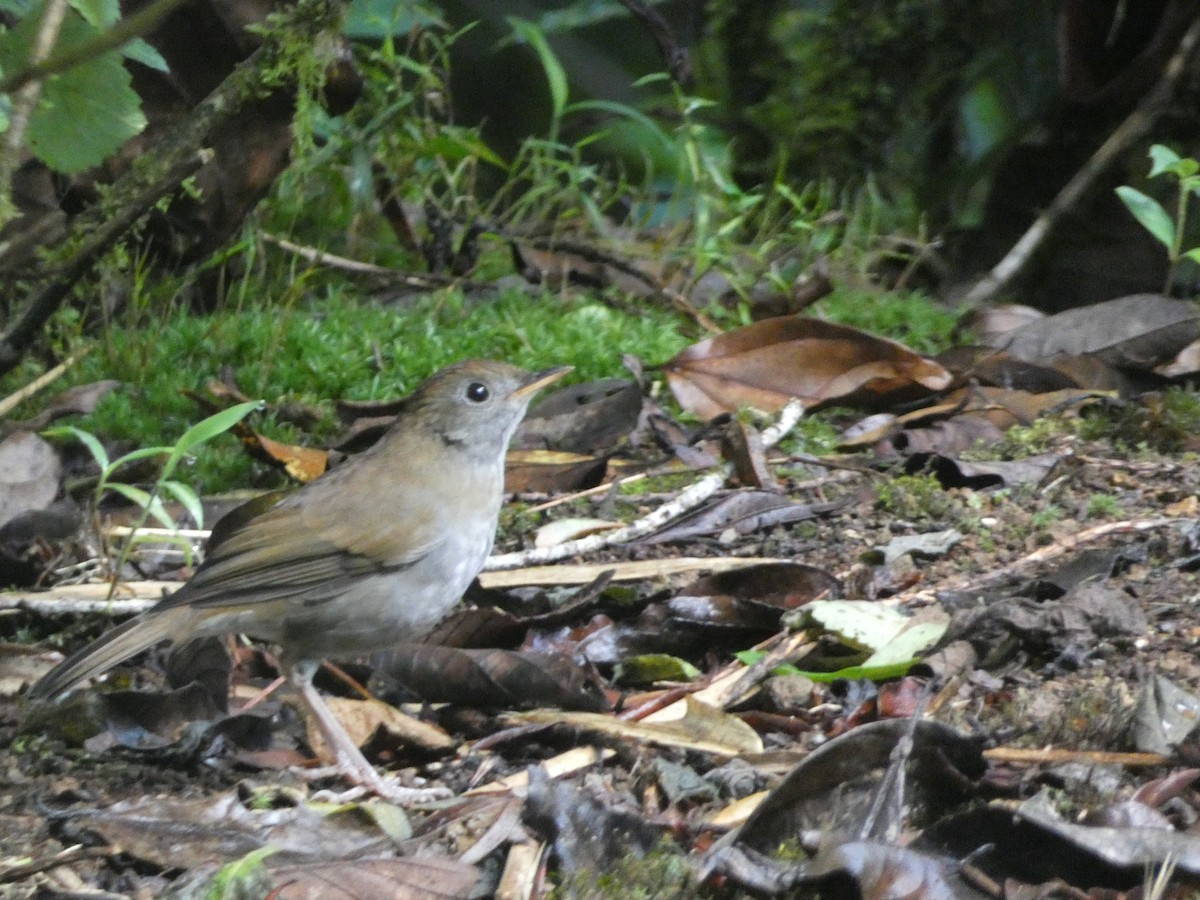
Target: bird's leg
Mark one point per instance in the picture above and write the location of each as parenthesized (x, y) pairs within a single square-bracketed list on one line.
[(350, 761)]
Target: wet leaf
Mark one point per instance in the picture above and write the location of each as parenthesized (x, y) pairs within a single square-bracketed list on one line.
[(768, 363)]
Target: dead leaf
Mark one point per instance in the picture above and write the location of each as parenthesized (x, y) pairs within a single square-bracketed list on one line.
[(409, 878), (363, 718), (1137, 332), (550, 471), (701, 727), (587, 418), (302, 463), (768, 363), (492, 678), (29, 474), (80, 400)]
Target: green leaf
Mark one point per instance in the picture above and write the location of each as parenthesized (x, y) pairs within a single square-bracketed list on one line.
[(99, 14), (1162, 158), (85, 113), (651, 667), (207, 429), (187, 498), (139, 51), (89, 440), (1150, 213), (1193, 254), (556, 75), (152, 505), (375, 20), (850, 673)]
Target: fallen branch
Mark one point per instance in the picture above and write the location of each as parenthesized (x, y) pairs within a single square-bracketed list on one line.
[(686, 501)]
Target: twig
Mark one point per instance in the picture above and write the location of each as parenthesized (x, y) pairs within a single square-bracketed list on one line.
[(1051, 755), (1037, 558), (1017, 261), (26, 102), (99, 240), (325, 258), (689, 499), (136, 25), (17, 397)]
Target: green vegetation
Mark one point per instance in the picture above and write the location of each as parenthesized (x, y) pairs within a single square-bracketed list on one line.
[(294, 332), (917, 498), (1168, 229), (1102, 506), (659, 875), (314, 353)]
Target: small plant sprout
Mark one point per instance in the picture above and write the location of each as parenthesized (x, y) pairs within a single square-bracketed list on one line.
[(1167, 229), (151, 502)]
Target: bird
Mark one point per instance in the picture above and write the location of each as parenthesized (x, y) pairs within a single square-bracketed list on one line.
[(373, 553)]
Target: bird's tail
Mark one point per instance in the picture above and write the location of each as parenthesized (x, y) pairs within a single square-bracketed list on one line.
[(139, 633)]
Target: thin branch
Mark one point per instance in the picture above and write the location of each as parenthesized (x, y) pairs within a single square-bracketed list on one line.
[(687, 500), (123, 32), (25, 102), (1017, 262)]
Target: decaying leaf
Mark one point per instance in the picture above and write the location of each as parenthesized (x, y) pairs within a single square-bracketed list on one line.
[(702, 728), (29, 474), (493, 678), (363, 718), (768, 363), (1137, 332), (542, 471)]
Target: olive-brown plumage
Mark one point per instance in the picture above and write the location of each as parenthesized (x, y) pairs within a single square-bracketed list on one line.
[(374, 553)]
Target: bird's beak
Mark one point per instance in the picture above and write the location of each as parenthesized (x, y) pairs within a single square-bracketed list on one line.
[(538, 380)]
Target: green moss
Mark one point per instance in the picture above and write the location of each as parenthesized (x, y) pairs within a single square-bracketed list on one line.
[(662, 874), (319, 349), (1102, 506), (916, 497), (911, 317)]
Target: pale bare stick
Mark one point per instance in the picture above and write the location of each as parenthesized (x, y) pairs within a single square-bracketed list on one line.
[(687, 500), (17, 397)]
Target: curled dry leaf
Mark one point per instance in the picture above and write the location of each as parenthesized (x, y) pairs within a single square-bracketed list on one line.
[(766, 364)]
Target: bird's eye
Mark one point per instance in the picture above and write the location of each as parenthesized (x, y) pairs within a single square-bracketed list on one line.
[(477, 392)]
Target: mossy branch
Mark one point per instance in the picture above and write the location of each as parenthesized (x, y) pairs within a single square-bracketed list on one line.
[(160, 171)]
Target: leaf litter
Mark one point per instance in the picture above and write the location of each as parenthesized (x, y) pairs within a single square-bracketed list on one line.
[(680, 730)]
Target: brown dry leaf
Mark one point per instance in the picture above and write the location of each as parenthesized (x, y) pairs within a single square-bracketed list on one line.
[(302, 463), (700, 727), (588, 418), (1137, 332), (549, 471), (768, 363), (1186, 362), (409, 878), (80, 400), (493, 678), (992, 323), (202, 832), (362, 718)]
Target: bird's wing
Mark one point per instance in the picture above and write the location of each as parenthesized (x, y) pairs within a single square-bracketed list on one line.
[(310, 552)]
